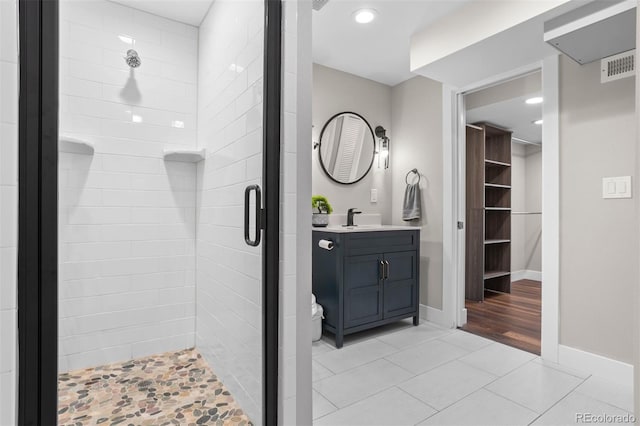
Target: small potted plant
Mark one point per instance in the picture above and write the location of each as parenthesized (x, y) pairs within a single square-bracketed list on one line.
[(321, 216)]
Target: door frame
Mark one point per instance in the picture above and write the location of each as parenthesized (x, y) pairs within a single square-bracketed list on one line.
[(454, 199), (38, 211)]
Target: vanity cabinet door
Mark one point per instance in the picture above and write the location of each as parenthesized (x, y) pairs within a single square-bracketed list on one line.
[(400, 286), (362, 289)]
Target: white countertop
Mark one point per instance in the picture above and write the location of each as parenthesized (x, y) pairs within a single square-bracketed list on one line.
[(366, 228)]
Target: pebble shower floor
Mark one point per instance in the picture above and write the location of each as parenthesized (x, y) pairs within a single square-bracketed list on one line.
[(173, 388)]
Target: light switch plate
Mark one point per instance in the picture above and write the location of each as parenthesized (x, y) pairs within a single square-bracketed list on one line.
[(374, 195), (616, 187)]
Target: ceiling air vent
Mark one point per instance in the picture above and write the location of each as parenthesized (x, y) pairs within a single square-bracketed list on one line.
[(618, 66), (319, 4)]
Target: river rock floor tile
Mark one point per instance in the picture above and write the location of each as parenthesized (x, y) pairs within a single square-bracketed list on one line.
[(173, 388)]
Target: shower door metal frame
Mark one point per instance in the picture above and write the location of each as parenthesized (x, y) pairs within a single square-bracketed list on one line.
[(38, 211), (271, 141)]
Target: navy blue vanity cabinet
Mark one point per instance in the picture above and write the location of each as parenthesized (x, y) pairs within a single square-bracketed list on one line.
[(368, 279)]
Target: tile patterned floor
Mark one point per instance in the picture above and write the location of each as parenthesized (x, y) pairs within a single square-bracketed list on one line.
[(173, 388), (405, 375)]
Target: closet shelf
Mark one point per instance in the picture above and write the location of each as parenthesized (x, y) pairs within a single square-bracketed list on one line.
[(496, 241), (184, 155), (75, 146), (495, 185), (493, 163), (495, 274)]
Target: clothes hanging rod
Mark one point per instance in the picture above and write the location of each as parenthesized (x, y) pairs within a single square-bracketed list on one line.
[(525, 141)]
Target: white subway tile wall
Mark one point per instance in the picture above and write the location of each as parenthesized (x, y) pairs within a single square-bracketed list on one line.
[(127, 217), (8, 208), (228, 326)]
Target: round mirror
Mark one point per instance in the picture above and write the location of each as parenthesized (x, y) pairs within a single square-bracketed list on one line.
[(347, 147)]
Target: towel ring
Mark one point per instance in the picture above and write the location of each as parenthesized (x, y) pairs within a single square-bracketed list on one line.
[(415, 171)]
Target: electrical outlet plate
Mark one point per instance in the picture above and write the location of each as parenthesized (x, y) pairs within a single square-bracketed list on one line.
[(374, 195), (616, 187)]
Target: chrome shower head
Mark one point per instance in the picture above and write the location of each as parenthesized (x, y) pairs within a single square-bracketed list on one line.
[(132, 59)]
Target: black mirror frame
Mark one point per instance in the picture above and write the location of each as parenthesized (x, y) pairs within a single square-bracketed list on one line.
[(324, 169)]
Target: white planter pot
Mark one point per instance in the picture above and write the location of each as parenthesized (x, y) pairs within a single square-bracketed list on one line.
[(320, 220)]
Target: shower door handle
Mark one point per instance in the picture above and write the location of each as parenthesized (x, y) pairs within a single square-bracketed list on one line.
[(258, 214)]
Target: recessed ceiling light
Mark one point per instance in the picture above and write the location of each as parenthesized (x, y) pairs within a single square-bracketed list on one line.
[(533, 101), (364, 16), (538, 122)]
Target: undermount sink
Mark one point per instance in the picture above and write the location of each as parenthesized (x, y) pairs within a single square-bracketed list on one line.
[(364, 228)]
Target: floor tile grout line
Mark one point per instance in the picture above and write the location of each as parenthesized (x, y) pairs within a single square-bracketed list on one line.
[(464, 397), (363, 365), (529, 408), (560, 400), (509, 400), (496, 378), (385, 356), (324, 415), (326, 397), (600, 400), (437, 366), (410, 372), (417, 399), (336, 373), (364, 399), (467, 349), (501, 375)]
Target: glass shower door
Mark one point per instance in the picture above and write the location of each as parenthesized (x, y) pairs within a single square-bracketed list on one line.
[(168, 213)]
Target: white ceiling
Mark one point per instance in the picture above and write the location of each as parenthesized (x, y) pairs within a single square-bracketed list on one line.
[(190, 12), (380, 50), (513, 114)]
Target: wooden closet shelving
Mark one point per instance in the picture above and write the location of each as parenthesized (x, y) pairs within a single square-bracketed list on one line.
[(488, 210)]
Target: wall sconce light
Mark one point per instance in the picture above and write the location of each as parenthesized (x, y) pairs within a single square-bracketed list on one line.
[(383, 148)]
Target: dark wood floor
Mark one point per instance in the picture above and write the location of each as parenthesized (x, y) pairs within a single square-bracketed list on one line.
[(512, 319)]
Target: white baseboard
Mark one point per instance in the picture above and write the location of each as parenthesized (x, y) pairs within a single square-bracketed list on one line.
[(463, 317), (434, 315), (596, 365), (526, 274)]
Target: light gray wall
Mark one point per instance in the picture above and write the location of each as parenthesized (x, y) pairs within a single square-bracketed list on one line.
[(598, 248), (518, 204), (526, 196), (416, 142), (533, 203), (334, 92)]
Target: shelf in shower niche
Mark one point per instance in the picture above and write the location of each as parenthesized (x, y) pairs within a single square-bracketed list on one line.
[(184, 155), (75, 146)]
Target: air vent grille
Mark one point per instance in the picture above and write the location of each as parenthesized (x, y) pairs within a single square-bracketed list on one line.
[(618, 66), (319, 4)]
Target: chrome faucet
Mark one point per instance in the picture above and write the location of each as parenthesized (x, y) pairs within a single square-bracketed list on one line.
[(350, 214)]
